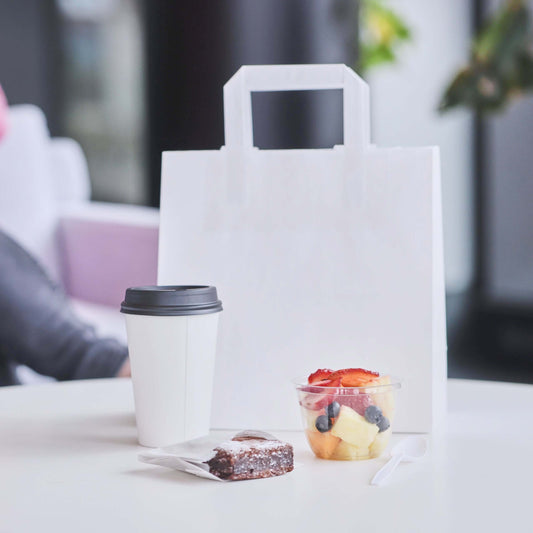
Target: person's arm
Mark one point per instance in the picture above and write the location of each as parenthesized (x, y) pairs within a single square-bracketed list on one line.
[(39, 329)]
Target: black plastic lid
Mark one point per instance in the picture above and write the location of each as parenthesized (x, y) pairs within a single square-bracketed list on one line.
[(171, 300)]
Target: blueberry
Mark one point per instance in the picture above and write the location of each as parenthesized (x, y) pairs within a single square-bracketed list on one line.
[(333, 409), (373, 414), (383, 424), (323, 423)]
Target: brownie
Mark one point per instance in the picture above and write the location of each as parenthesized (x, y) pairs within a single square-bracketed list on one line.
[(251, 455)]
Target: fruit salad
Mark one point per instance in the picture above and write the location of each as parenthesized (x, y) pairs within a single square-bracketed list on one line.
[(347, 413)]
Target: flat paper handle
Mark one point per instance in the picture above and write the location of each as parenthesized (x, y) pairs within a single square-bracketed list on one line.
[(238, 125)]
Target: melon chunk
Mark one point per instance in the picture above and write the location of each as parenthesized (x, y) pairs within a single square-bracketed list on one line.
[(322, 444)]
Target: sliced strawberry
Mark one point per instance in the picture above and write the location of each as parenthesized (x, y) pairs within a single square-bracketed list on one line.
[(328, 383), (336, 381), (355, 377), (354, 399), (317, 398), (317, 386), (315, 402), (319, 375)]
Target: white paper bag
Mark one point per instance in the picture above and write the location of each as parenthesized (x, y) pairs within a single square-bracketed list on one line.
[(322, 258)]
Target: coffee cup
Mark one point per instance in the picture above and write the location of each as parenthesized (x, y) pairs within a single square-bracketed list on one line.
[(172, 333)]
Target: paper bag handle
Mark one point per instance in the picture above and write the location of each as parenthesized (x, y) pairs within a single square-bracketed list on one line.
[(238, 125)]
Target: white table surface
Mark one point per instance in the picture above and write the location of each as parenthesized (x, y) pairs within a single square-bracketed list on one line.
[(68, 462)]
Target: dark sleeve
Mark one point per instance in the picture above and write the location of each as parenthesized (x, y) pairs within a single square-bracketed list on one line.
[(38, 327)]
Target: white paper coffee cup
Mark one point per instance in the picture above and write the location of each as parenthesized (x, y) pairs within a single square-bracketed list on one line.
[(172, 333)]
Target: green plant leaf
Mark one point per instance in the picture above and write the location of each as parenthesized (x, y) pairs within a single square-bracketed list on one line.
[(504, 37), (382, 31), (501, 64)]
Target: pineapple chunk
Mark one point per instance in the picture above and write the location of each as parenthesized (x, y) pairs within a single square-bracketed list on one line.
[(353, 428), (348, 452), (380, 443)]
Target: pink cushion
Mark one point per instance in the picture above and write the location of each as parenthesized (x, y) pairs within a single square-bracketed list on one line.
[(3, 113), (107, 248)]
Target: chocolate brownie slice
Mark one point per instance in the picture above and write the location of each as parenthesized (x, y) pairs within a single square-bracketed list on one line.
[(251, 455)]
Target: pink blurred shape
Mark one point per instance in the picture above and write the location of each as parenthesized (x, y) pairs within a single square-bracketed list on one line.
[(102, 259)]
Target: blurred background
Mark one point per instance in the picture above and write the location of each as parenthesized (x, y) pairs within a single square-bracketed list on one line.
[(128, 79)]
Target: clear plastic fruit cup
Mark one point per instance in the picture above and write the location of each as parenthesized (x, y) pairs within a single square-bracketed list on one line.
[(348, 423)]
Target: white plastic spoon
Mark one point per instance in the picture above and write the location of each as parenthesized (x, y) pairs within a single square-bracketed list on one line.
[(408, 450)]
